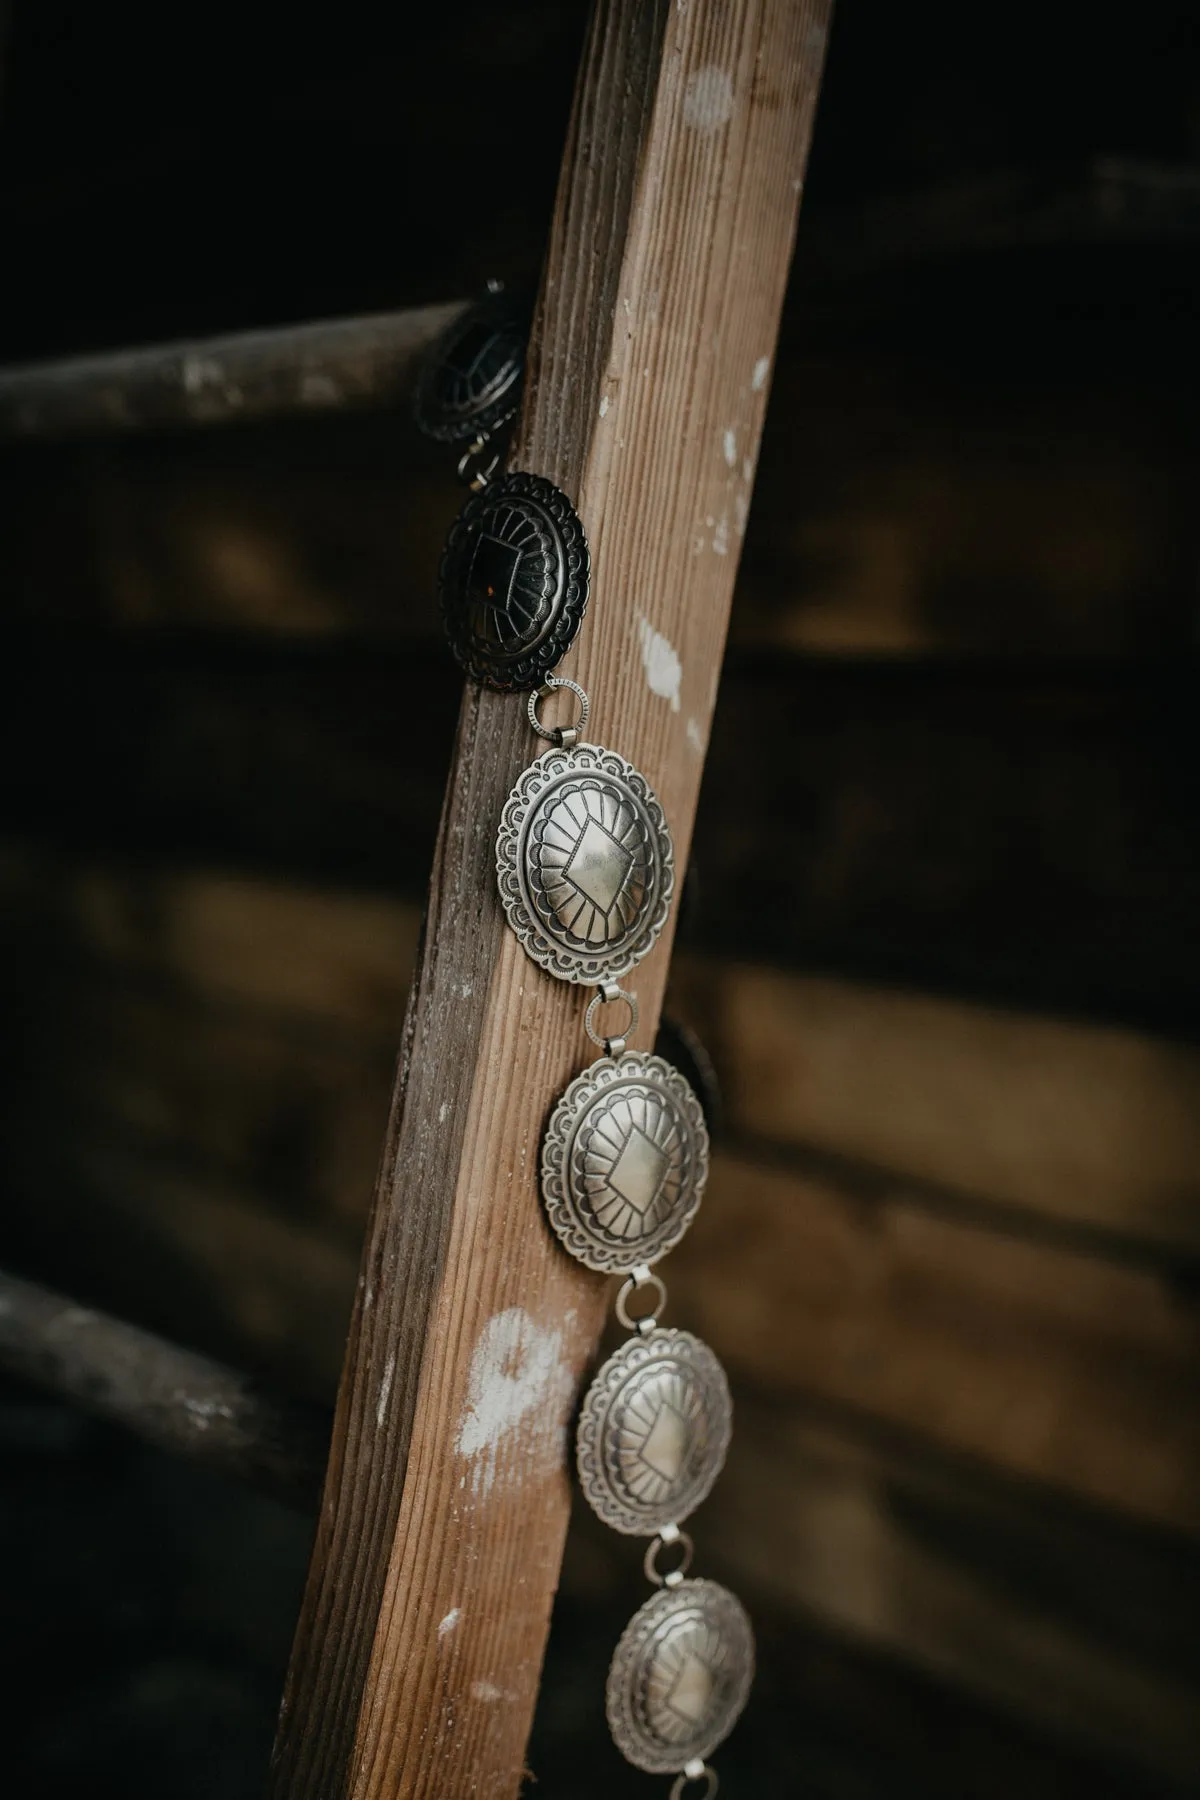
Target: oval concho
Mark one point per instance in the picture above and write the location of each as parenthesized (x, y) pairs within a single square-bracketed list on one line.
[(584, 862), (624, 1162), (653, 1432), (680, 1676), (470, 384), (514, 581)]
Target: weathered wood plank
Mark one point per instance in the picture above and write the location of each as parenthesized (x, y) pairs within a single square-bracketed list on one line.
[(331, 365), (440, 1504)]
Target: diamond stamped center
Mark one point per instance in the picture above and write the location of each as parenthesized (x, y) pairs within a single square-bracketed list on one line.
[(598, 866), (639, 1171), (691, 1690), (666, 1443), (493, 570)]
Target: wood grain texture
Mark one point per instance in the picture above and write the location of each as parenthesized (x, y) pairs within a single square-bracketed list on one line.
[(414, 1670)]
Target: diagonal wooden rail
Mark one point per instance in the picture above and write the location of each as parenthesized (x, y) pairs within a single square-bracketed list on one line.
[(175, 1398), (332, 365), (418, 1650)]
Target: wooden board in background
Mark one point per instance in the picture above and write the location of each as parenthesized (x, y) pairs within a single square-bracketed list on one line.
[(1030, 837), (1048, 1612), (904, 507), (1031, 1123), (229, 1036)]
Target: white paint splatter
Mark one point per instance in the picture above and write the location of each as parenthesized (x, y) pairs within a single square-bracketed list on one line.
[(664, 671), (720, 541), (604, 404), (466, 990), (707, 98), (747, 468), (385, 1388), (450, 1621), (762, 369), (729, 445), (695, 736), (487, 1691), (741, 512), (443, 1112), (519, 1379)]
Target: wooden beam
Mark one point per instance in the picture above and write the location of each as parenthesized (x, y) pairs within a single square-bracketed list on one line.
[(172, 1397), (419, 1645), (332, 365)]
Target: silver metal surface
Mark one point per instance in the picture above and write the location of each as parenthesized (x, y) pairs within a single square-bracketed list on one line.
[(624, 1161), (653, 1432), (608, 994), (667, 1538), (478, 464), (695, 1771), (470, 384), (636, 1280), (680, 1677), (584, 862), (564, 737)]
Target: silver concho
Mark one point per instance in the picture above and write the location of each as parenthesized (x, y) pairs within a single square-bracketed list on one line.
[(514, 581), (653, 1432), (680, 1676), (470, 384), (624, 1162), (584, 862)]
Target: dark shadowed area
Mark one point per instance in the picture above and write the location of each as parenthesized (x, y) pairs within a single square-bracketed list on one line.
[(940, 935)]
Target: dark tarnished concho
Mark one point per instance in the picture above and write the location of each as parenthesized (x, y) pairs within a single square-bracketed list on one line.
[(654, 1432), (624, 1162), (514, 581), (470, 384), (680, 1676), (584, 862)]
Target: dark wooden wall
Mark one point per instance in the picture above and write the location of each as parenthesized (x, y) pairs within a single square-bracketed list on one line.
[(941, 939)]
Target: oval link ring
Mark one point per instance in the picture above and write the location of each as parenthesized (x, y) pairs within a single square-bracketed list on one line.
[(478, 464), (695, 1772), (669, 1536), (638, 1278), (564, 738), (605, 994)]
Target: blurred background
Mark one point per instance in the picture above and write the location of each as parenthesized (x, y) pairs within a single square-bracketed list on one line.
[(950, 1248)]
